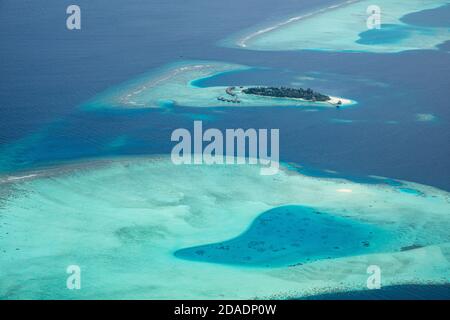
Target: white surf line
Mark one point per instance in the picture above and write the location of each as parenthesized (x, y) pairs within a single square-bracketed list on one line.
[(165, 77), (242, 42), (15, 178)]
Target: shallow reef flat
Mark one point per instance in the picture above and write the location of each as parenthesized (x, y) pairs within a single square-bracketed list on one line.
[(176, 85), (343, 27), (133, 225)]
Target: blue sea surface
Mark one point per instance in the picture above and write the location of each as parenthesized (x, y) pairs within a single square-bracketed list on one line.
[(399, 292), (438, 17), (47, 72), (292, 235)]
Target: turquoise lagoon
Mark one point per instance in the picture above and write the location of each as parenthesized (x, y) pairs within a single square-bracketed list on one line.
[(342, 27), (134, 226), (144, 228), (179, 84)]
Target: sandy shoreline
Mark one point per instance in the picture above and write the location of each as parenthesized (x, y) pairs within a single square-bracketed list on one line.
[(344, 102), (242, 42)]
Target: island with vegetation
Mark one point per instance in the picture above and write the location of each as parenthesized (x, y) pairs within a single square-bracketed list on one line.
[(180, 84), (283, 92)]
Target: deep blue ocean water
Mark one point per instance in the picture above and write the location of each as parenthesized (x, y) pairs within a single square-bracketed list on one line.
[(438, 17), (48, 71), (399, 292)]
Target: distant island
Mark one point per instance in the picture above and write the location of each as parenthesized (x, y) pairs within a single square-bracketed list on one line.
[(308, 95), (283, 92)]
